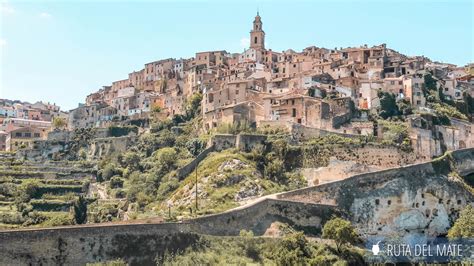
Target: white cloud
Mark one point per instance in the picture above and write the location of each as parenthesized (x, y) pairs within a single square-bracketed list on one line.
[(3, 42), (5, 8), (245, 42), (45, 15)]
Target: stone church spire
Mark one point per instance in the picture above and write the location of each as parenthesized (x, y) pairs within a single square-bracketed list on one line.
[(257, 35)]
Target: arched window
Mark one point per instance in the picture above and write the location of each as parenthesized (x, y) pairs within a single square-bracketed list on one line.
[(255, 39)]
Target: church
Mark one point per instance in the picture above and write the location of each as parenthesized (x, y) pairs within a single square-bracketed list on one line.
[(256, 51)]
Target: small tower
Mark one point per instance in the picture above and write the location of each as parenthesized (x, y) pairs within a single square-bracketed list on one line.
[(257, 35)]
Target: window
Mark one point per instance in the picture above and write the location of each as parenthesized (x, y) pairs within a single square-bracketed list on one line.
[(27, 134), (18, 134), (255, 40), (292, 102), (392, 82), (293, 112)]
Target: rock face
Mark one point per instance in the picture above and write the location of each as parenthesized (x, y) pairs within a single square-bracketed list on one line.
[(399, 207), (250, 189), (423, 198)]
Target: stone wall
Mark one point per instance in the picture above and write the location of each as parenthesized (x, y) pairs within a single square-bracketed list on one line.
[(247, 142), (243, 142), (103, 147), (300, 132), (60, 135), (223, 141), (336, 170), (420, 198), (371, 155), (140, 244), (188, 168)]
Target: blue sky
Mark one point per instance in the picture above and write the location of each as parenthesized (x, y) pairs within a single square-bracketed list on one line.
[(60, 51)]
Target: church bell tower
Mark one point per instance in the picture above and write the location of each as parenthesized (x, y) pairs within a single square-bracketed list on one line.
[(257, 35)]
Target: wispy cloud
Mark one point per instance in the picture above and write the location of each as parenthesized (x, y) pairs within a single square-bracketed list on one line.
[(5, 8), (45, 15), (245, 42)]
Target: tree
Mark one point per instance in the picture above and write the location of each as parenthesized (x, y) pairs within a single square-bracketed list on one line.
[(107, 172), (195, 146), (388, 105), (166, 158), (131, 160), (341, 231), (193, 106), (80, 210), (464, 225), (59, 123), (293, 249), (274, 170), (430, 82), (28, 190), (405, 107)]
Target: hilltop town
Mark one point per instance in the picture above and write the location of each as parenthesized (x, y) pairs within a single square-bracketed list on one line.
[(334, 90), (264, 140)]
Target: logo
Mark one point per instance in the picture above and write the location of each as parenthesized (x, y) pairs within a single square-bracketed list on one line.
[(376, 249)]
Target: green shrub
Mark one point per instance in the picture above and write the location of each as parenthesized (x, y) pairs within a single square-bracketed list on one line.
[(444, 111), (166, 158), (11, 218), (166, 187), (119, 194), (50, 205), (464, 226), (116, 182), (107, 172), (58, 220), (341, 231), (117, 131), (28, 190), (293, 249), (166, 138), (274, 169), (34, 218), (131, 160), (195, 146)]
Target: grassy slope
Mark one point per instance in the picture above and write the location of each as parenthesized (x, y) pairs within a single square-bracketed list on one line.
[(216, 190)]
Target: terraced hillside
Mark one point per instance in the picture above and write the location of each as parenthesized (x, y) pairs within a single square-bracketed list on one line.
[(41, 194)]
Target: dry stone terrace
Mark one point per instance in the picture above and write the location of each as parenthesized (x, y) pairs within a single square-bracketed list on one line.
[(53, 187)]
